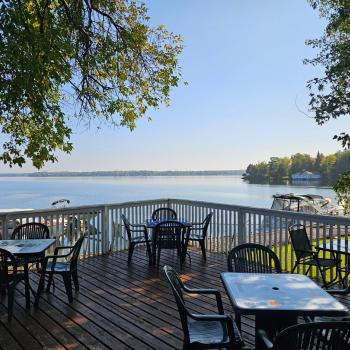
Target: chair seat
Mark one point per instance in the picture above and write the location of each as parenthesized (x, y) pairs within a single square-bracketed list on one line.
[(58, 267), (210, 332), (323, 262), (196, 236), (140, 239)]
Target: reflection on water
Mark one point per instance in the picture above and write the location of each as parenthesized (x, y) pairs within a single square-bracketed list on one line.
[(28, 192)]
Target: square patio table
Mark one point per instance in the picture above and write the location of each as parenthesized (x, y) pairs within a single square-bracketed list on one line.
[(277, 300), (339, 247), (27, 249)]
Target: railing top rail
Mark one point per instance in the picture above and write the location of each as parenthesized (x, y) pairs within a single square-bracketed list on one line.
[(265, 211), (50, 211), (212, 205)]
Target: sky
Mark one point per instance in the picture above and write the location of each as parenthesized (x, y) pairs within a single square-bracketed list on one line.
[(245, 101)]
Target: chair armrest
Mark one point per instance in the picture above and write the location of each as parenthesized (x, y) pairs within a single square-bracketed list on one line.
[(214, 317), (139, 226), (267, 344), (62, 247), (207, 291), (54, 258)]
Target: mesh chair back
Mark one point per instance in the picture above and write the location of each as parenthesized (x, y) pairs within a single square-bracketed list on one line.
[(300, 241), (31, 230), (163, 214), (315, 335), (76, 252), (255, 258), (8, 267), (168, 234), (176, 287)]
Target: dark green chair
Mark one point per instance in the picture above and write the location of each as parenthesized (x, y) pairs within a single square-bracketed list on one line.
[(163, 214), (310, 336), (252, 257), (305, 255), (199, 232), (137, 234), (203, 331), (9, 278), (68, 269)]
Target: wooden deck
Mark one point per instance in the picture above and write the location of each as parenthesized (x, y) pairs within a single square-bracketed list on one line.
[(118, 307)]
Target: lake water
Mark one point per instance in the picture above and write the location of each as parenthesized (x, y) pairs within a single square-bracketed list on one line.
[(40, 192)]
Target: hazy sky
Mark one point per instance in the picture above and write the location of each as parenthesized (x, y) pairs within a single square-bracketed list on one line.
[(243, 62)]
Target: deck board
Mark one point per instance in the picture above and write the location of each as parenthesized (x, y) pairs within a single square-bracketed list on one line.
[(118, 306)]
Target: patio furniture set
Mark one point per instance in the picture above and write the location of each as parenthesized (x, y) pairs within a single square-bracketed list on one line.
[(254, 283), (27, 246)]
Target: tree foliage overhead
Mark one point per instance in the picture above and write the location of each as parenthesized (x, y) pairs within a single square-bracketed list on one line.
[(330, 94), (64, 59)]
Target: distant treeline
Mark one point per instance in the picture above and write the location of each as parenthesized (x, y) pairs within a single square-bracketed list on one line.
[(279, 170), (131, 173)]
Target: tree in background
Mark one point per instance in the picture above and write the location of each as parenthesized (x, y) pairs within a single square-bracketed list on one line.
[(330, 94), (301, 162), (87, 60)]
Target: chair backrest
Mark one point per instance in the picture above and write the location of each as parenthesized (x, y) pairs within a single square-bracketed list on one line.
[(176, 287), (163, 214), (31, 230), (315, 335), (126, 223), (300, 241), (168, 234), (255, 258), (206, 223), (8, 264), (76, 252)]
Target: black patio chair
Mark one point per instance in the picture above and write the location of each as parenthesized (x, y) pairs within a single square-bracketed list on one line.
[(252, 257), (137, 234), (310, 336), (68, 269), (163, 214), (171, 234), (203, 331), (31, 230), (305, 255), (9, 278), (199, 233)]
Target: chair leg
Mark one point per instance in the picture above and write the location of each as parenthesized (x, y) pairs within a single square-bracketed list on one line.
[(149, 252), (158, 256), (49, 282), (75, 280), (40, 289), (10, 296), (202, 244), (131, 250), (27, 285), (67, 279)]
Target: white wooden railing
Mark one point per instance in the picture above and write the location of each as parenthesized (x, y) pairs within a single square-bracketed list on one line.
[(231, 224)]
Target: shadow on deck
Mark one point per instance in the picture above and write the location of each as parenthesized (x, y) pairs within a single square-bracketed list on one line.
[(118, 306)]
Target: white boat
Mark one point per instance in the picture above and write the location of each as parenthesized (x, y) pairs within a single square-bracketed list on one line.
[(306, 203)]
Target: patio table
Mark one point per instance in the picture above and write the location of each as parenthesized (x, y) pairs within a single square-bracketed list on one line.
[(277, 300), (151, 224), (339, 247), (27, 249)]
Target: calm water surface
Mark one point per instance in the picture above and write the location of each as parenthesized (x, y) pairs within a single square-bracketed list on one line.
[(29, 192)]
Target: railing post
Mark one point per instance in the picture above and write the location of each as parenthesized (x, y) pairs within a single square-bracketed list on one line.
[(241, 226), (105, 229)]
